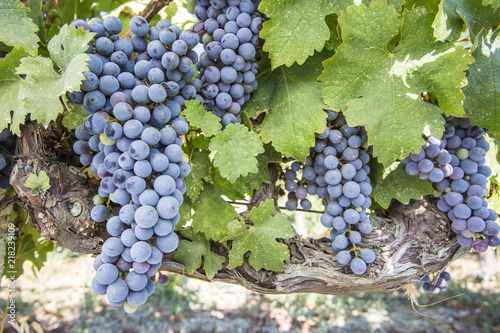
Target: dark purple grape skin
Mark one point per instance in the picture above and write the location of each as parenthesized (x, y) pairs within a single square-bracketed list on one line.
[(464, 148)]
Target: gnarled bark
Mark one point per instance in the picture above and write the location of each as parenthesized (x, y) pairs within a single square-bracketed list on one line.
[(412, 240)]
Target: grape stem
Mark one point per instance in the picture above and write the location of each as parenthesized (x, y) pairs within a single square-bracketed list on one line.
[(280, 207), (154, 8)]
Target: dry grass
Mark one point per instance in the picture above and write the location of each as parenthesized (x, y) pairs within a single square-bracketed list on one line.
[(59, 298)]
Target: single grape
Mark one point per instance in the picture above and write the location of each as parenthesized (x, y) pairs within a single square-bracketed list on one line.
[(358, 266)]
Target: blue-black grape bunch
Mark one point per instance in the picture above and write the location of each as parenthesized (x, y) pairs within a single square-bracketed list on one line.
[(228, 65), (437, 285), (336, 170), (7, 147), (134, 92), (457, 166)]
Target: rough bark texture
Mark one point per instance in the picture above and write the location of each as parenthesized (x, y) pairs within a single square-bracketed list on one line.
[(412, 240), (63, 212)]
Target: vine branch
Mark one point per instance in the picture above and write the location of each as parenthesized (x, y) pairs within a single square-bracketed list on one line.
[(410, 241), (154, 8)]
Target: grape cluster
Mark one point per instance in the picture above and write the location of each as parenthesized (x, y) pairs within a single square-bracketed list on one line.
[(458, 168), (227, 67), (134, 92), (435, 287), (337, 171), (7, 145)]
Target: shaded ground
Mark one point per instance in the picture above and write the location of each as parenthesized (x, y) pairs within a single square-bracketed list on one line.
[(59, 298)]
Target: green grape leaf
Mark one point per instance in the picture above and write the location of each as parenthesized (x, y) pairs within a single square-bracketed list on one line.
[(201, 170), (494, 199), (190, 253), (234, 151), (25, 251), (69, 44), (254, 180), (27, 247), (398, 4), (494, 3), (477, 15), (493, 155), (36, 14), (66, 49), (198, 140), (479, 18), (17, 28), (395, 183), (430, 5), (234, 191), (213, 214), (295, 29), (245, 120), (74, 116), (186, 213), (44, 104), (381, 89), (335, 40), (42, 246), (9, 85), (447, 21), (295, 107), (481, 103), (197, 116), (260, 239), (38, 183)]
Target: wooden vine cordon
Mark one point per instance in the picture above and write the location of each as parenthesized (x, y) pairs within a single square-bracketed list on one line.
[(410, 241)]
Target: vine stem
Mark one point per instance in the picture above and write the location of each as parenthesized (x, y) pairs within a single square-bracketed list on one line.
[(280, 207), (416, 236), (153, 8)]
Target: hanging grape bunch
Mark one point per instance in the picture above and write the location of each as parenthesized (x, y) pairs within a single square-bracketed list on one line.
[(438, 284), (336, 171), (457, 166), (132, 141), (228, 65)]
